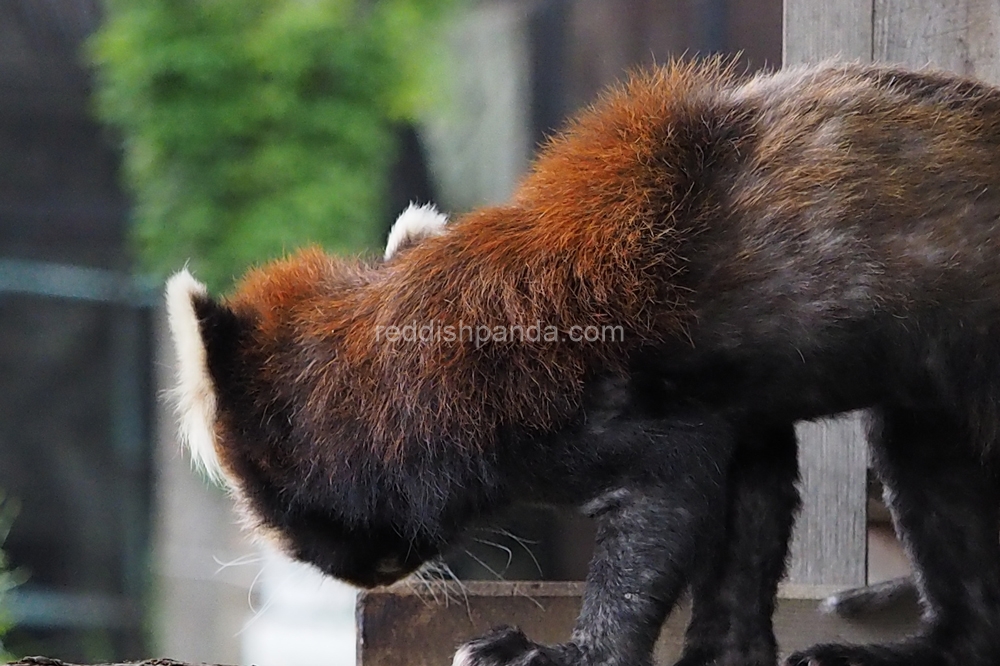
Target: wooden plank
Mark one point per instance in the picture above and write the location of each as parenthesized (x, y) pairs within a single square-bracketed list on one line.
[(830, 544), (48, 661), (962, 36), (819, 29), (398, 626)]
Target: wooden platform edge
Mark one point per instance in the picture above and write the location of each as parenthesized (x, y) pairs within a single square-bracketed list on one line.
[(48, 661), (421, 625)]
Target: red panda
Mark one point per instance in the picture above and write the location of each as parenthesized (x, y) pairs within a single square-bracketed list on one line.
[(692, 265)]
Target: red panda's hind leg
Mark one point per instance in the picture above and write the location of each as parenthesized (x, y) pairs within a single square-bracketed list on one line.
[(945, 503), (733, 593)]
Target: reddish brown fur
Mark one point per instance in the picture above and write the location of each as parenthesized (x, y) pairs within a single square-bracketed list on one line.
[(602, 231), (586, 240)]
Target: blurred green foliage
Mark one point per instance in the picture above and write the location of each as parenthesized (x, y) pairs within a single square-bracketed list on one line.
[(252, 127), (8, 579)]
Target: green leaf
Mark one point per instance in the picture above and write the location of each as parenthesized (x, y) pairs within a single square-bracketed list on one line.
[(8, 579), (252, 127)]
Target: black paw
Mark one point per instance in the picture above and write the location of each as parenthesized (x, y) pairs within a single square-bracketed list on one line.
[(710, 657), (696, 658), (916, 653), (508, 646)]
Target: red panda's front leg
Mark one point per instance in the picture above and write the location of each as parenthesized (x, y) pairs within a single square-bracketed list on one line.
[(663, 515)]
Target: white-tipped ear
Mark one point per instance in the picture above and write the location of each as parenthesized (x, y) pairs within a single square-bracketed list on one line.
[(463, 656), (414, 223), (194, 395)]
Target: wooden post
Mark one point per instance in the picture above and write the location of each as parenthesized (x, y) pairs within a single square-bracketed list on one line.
[(962, 36), (829, 549), (816, 30)]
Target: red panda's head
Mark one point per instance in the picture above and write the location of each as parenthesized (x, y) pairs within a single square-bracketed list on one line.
[(266, 409)]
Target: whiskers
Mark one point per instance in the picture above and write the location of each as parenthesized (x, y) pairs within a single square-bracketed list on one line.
[(281, 585), (518, 541), (436, 583), (242, 561), (499, 575)]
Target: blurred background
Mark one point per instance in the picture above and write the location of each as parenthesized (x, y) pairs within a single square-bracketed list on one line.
[(137, 135)]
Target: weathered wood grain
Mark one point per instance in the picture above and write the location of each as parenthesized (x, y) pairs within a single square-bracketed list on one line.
[(816, 30), (830, 545), (962, 36), (401, 627), (422, 625), (46, 661)]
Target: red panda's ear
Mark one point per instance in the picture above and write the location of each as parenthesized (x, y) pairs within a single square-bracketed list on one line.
[(414, 223), (194, 320)]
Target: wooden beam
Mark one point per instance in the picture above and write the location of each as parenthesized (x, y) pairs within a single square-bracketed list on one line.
[(423, 626)]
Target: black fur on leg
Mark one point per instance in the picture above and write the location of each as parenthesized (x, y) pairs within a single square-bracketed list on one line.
[(651, 531), (897, 593), (916, 652), (945, 502), (665, 488), (733, 594), (660, 471)]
